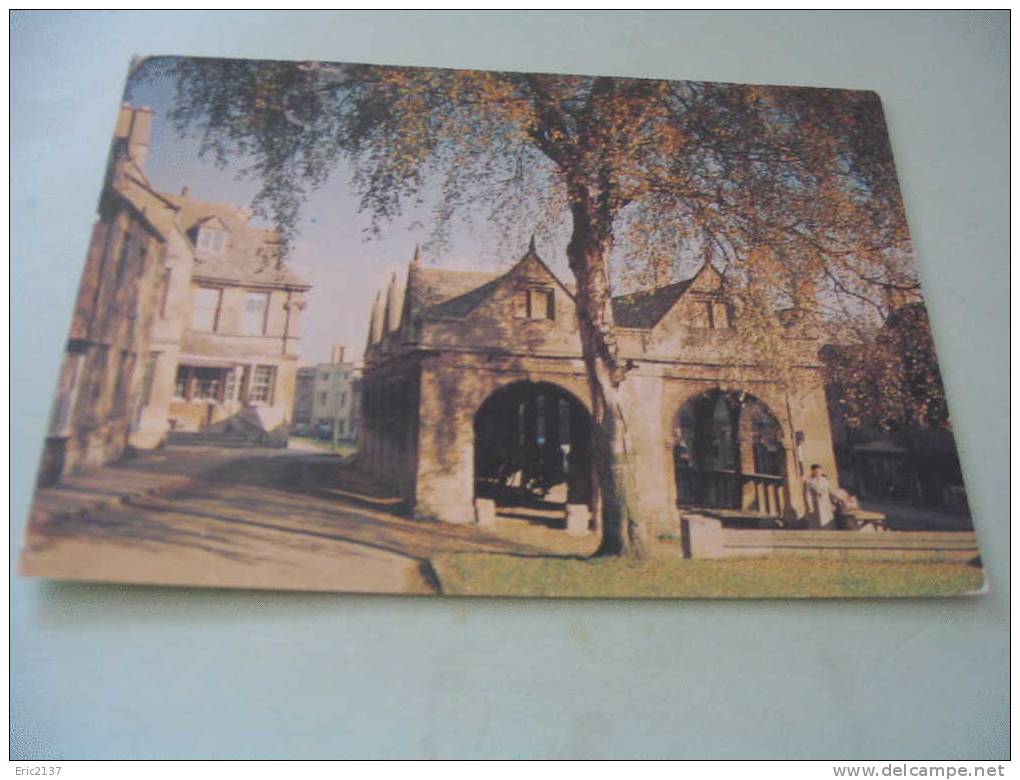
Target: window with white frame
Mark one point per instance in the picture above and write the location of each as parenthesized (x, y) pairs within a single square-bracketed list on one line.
[(230, 385), (205, 308), (212, 240), (253, 316), (261, 390)]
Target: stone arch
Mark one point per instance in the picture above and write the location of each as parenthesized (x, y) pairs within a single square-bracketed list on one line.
[(532, 446), (729, 452)]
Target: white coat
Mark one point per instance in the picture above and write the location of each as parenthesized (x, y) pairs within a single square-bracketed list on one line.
[(818, 496)]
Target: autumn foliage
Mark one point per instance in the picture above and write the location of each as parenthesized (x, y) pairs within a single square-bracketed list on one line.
[(790, 192)]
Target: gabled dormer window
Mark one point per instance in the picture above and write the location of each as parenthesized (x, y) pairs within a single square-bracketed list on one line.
[(211, 239)]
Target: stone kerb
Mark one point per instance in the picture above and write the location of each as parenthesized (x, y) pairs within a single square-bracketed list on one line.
[(702, 537), (578, 518), (706, 538), (485, 512)]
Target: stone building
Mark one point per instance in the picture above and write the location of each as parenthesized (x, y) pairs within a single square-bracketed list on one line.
[(304, 395), (185, 321), (474, 387), (106, 357), (336, 396), (224, 343)]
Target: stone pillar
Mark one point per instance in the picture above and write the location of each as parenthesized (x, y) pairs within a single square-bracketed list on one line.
[(810, 414), (749, 498), (793, 487), (653, 463), (445, 476)]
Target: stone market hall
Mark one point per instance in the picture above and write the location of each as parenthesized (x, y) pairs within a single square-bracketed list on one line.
[(475, 394)]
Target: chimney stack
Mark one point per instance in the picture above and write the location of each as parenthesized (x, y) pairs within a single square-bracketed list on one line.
[(133, 128), (336, 355)]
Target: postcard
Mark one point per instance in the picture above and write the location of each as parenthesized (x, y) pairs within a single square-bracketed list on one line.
[(374, 329)]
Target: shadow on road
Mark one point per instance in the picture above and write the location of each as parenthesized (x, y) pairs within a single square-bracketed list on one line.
[(299, 498)]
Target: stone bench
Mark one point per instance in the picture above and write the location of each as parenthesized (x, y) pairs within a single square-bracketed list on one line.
[(577, 517)]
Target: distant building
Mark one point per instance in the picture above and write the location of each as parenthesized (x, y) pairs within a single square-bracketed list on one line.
[(107, 358), (336, 396), (304, 392), (475, 389)]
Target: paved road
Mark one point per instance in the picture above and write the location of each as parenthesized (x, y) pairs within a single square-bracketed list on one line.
[(268, 519)]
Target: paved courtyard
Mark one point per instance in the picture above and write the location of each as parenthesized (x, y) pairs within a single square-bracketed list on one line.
[(249, 519)]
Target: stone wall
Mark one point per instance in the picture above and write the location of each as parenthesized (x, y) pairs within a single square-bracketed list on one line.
[(453, 388), (101, 374), (168, 326), (388, 426)]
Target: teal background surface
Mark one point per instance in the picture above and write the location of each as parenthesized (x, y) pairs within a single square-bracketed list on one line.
[(137, 672)]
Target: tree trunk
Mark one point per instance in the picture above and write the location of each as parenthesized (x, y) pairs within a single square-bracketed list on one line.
[(588, 253)]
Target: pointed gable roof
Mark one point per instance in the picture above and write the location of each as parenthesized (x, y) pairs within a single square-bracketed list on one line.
[(251, 257), (464, 303), (645, 308), (533, 256), (212, 221), (446, 293), (430, 288)]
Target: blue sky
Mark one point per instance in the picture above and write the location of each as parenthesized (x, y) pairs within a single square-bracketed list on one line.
[(330, 252)]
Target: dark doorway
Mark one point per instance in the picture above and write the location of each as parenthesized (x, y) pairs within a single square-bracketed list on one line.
[(728, 453), (532, 447)]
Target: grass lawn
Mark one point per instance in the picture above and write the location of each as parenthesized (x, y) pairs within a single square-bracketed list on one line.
[(474, 574)]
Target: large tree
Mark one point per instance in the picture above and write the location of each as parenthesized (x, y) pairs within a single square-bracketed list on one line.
[(790, 191), (887, 377)]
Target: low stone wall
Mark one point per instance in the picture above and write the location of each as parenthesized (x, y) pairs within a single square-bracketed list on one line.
[(705, 537)]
